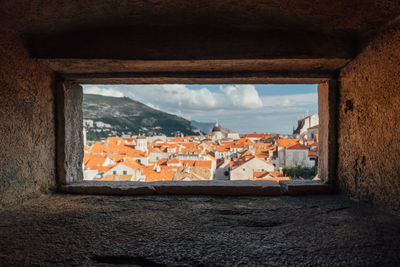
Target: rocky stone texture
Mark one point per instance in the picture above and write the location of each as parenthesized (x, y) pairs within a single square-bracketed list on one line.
[(305, 187), (70, 129), (327, 99), (212, 187), (59, 230), (27, 134), (369, 123)]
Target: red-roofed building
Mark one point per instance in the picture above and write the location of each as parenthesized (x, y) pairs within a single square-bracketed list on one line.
[(244, 169), (174, 162)]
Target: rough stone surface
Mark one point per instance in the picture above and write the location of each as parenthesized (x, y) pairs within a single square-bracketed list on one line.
[(27, 134), (70, 129), (215, 188), (327, 105), (74, 66), (290, 31), (305, 187), (355, 16), (368, 111), (369, 121), (65, 230)]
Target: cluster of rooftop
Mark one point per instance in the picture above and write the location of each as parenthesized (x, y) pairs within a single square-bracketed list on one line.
[(215, 156)]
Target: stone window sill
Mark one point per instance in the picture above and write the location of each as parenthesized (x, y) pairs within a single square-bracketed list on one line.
[(218, 188)]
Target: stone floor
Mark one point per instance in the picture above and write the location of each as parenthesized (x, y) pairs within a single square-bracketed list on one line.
[(65, 230)]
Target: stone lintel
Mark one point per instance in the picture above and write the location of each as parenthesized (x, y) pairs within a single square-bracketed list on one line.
[(201, 77)]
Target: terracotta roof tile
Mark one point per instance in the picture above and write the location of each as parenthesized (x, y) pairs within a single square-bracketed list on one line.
[(297, 146)]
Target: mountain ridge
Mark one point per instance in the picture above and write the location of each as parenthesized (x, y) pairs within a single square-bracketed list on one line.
[(117, 116)]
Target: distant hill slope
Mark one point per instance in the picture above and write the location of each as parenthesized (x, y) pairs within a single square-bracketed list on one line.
[(112, 116), (206, 127)]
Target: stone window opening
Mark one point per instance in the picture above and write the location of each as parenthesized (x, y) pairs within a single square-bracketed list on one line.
[(71, 179)]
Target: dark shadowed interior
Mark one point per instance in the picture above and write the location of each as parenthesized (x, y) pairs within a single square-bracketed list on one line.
[(351, 48)]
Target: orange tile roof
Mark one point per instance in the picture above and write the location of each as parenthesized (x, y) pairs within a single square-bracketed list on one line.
[(247, 153), (189, 145), (221, 149), (258, 135), (154, 150), (203, 163), (129, 139), (162, 162), (105, 169), (244, 141), (211, 157), (262, 153), (164, 175), (260, 174), (98, 148), (174, 160), (312, 153), (176, 139), (228, 144), (276, 173), (136, 153), (235, 164), (276, 179), (86, 158), (117, 158), (273, 175), (287, 142), (297, 146), (242, 160), (95, 161), (133, 164)]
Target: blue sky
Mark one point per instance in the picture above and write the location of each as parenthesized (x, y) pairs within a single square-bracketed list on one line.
[(245, 108)]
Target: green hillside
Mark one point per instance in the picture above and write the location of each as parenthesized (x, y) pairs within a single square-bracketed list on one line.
[(126, 116)]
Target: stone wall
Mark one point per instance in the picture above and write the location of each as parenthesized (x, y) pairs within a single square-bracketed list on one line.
[(27, 138), (369, 122)]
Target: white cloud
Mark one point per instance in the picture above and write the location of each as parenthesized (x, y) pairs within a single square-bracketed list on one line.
[(102, 91), (238, 107), (178, 95), (244, 96), (289, 100)]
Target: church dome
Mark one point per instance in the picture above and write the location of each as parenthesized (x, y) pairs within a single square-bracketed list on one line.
[(216, 128)]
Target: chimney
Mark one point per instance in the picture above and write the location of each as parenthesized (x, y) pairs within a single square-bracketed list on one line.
[(271, 153)]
